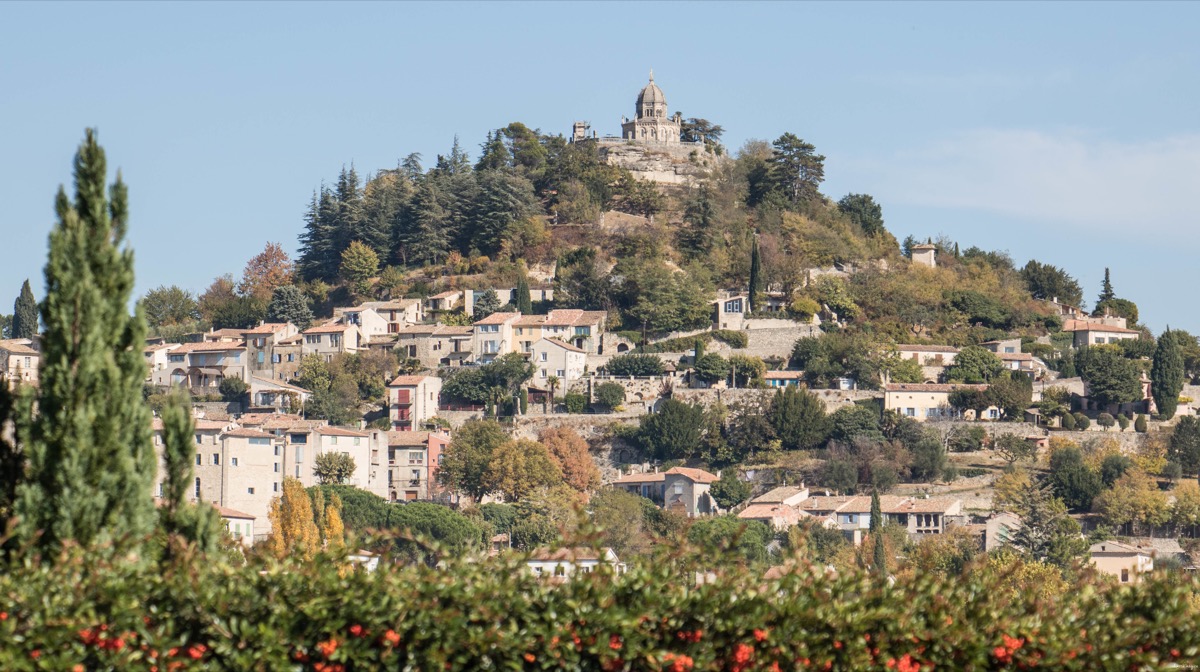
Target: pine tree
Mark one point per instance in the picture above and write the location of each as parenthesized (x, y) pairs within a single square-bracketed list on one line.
[(421, 235), (1167, 375), (90, 457), (319, 257), (289, 304), (25, 314), (1106, 290), (495, 154), (197, 524), (293, 529), (755, 276), (350, 215), (521, 296)]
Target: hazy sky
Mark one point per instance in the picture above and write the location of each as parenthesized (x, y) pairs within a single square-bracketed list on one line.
[(1064, 132)]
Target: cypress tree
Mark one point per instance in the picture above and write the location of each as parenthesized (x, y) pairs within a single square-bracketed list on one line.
[(1106, 290), (521, 297), (876, 513), (25, 314), (876, 530), (90, 456), (197, 523), (1166, 375), (755, 277)]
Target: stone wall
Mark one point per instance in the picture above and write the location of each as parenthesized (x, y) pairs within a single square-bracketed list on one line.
[(834, 399)]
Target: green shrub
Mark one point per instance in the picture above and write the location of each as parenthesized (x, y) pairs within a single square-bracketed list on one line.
[(610, 395), (1123, 421), (575, 402), (1068, 422), (1082, 422), (1140, 424), (634, 365), (734, 339), (210, 614)]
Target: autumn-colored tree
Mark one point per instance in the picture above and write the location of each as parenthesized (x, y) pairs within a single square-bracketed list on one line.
[(1185, 512), (293, 530), (570, 453), (1007, 489), (517, 468), (1133, 500), (359, 264), (332, 529), (265, 271), (465, 461)]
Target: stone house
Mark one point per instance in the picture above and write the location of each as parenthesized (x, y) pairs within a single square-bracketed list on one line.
[(157, 371), (331, 339), (19, 362), (413, 460), (1124, 561), (561, 564), (239, 525), (286, 355), (925, 254), (436, 345), (494, 336), (554, 358), (1089, 332), (648, 485), (261, 357), (918, 516), (376, 318), (449, 300), (927, 401), (784, 378), (276, 394), (206, 364), (413, 400), (730, 312), (245, 474), (686, 490)]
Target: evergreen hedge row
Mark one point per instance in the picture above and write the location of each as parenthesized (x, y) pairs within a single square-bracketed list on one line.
[(201, 614)]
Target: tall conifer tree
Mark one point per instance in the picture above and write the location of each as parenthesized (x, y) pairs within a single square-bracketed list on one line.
[(521, 297), (1167, 375), (194, 523), (90, 457), (25, 314), (755, 276)]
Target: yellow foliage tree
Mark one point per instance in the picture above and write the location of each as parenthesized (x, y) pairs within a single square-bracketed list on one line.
[(1008, 488), (1023, 576), (334, 530), (518, 468), (292, 527)]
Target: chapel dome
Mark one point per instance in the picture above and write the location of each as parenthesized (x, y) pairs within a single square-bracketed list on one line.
[(651, 94)]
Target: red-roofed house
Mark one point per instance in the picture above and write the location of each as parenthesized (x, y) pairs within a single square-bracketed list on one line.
[(686, 490), (261, 356), (413, 460), (927, 401), (412, 400)]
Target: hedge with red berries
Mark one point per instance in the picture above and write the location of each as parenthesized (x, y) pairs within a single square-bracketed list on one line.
[(204, 614)]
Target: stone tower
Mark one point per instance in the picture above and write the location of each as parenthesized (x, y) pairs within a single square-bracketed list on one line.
[(652, 125)]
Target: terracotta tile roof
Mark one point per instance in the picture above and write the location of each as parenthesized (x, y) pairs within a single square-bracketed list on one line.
[(530, 321), (280, 383), (248, 419), (447, 294), (922, 505), (1015, 356), (207, 346), (419, 330), (203, 425), (291, 340), (246, 433), (783, 375), (777, 495), (1084, 325), (340, 431), (232, 513), (267, 328), (222, 333), (408, 381), (770, 511), (148, 348), (927, 348), (573, 316), (499, 318), (409, 439), (572, 554), (448, 330), (560, 344), (327, 329), (1117, 547), (697, 475), (291, 423), (656, 477), (16, 347), (930, 387)]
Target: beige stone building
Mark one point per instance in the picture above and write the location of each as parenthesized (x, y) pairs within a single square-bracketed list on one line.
[(926, 401), (436, 345), (329, 340), (206, 364), (494, 336), (413, 459), (552, 357), (19, 362), (412, 400), (261, 342), (652, 122), (157, 371), (1124, 561)]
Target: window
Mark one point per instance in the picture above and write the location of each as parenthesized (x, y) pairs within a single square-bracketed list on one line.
[(543, 374), (333, 440), (297, 471), (216, 459), (542, 356), (275, 487), (291, 357), (261, 356), (276, 451), (197, 459), (197, 492), (679, 488), (276, 358), (560, 570), (277, 467), (357, 439), (249, 491), (199, 439), (233, 461), (416, 457), (299, 453), (158, 490), (312, 340), (299, 439), (416, 474), (561, 373), (335, 340), (1124, 576)]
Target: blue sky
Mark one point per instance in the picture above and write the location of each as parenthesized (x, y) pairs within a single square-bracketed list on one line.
[(1064, 132)]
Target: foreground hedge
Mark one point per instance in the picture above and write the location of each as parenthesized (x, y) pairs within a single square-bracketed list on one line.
[(203, 614)]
